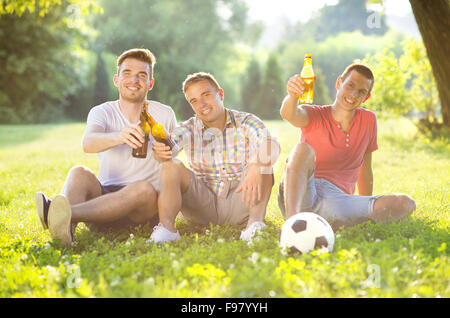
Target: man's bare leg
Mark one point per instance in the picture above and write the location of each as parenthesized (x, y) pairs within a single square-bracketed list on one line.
[(299, 169), (392, 208), (84, 193), (175, 179), (258, 212)]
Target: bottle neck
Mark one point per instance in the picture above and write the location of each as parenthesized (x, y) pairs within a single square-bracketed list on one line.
[(149, 118)]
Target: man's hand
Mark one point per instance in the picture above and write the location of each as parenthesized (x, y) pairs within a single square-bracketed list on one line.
[(161, 151), (251, 186), (133, 136), (295, 86)]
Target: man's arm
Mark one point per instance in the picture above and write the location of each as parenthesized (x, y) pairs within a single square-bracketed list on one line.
[(96, 140), (290, 110), (365, 178), (265, 157)]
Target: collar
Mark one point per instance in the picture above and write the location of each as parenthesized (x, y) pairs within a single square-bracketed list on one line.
[(229, 122)]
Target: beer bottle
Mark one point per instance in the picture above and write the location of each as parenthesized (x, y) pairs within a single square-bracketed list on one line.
[(141, 152), (157, 130), (307, 74)]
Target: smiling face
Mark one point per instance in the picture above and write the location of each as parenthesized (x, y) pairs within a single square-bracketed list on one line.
[(133, 80), (352, 90), (207, 103)]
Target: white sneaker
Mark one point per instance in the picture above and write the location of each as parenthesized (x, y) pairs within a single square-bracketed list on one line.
[(250, 232), (162, 235)]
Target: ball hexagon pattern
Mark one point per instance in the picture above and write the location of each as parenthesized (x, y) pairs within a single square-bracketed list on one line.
[(306, 231)]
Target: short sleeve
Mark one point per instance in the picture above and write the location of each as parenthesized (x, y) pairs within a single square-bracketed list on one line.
[(314, 115), (172, 121), (97, 116)]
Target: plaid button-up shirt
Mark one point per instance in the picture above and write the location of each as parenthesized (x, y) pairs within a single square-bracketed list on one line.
[(217, 156)]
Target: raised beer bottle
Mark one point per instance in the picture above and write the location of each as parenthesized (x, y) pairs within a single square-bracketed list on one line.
[(157, 130), (141, 152), (308, 76)]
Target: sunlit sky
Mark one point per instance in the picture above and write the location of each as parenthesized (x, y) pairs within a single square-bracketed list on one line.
[(300, 10)]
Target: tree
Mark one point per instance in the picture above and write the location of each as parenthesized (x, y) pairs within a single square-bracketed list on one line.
[(330, 20), (186, 36), (101, 91), (37, 66), (272, 91), (422, 91), (433, 20), (347, 16), (251, 88), (389, 95)]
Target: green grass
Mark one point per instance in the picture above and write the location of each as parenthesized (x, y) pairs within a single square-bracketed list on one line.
[(404, 259)]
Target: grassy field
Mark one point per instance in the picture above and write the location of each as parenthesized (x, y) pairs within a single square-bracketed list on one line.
[(405, 259)]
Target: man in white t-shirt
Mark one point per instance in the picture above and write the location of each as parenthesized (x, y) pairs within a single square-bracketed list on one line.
[(125, 191)]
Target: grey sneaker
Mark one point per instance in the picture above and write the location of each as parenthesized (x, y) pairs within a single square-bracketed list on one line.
[(60, 220), (250, 232), (42, 205), (162, 235)]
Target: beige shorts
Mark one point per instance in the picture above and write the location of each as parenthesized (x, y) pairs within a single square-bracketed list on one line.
[(202, 206)]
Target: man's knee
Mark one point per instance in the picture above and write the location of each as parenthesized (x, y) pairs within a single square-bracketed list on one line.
[(405, 203), (81, 172), (142, 190), (171, 169), (396, 206), (302, 155), (175, 173)]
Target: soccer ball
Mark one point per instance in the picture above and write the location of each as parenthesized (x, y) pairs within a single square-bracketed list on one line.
[(306, 231)]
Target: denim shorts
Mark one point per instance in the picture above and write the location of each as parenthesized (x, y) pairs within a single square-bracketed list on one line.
[(330, 202), (122, 223)]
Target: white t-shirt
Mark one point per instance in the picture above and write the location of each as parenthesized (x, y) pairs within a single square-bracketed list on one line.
[(116, 165)]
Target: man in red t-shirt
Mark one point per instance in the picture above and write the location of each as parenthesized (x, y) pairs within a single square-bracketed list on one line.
[(335, 154)]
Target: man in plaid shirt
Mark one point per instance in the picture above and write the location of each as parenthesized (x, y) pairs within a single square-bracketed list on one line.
[(230, 156)]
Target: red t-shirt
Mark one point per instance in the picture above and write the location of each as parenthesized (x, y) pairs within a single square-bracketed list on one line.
[(339, 154)]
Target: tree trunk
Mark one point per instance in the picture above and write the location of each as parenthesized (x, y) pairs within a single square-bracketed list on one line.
[(433, 20)]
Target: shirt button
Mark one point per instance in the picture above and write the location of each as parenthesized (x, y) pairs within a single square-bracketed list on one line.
[(347, 140), (346, 145)]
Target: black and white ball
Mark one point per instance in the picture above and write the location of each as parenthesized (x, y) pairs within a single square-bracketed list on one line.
[(306, 231)]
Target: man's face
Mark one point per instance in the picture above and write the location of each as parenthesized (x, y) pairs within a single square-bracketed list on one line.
[(206, 101), (133, 80), (352, 90)]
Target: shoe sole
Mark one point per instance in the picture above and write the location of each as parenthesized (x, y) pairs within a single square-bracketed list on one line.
[(59, 220), (40, 208)]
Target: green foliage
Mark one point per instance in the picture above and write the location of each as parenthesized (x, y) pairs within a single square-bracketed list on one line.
[(38, 62), (41, 7), (101, 92), (404, 84), (272, 90), (417, 69), (251, 88), (345, 17), (332, 56), (389, 94), (198, 39), (409, 258)]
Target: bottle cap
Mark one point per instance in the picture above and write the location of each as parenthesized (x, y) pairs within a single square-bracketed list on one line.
[(307, 55)]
